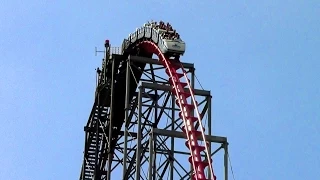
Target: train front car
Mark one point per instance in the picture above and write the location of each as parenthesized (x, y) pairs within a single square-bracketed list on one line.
[(173, 47)]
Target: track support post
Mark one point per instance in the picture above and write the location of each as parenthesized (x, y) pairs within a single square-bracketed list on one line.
[(226, 155), (110, 155), (139, 133), (126, 118), (151, 155)]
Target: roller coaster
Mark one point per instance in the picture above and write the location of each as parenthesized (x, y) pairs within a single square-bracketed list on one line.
[(126, 136)]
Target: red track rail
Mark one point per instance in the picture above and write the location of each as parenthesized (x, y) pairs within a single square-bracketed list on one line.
[(189, 129)]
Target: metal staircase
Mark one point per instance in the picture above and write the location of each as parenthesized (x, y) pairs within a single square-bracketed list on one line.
[(95, 144)]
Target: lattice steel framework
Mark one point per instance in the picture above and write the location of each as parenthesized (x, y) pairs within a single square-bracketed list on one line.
[(151, 143)]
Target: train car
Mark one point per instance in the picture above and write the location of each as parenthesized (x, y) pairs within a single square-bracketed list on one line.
[(170, 46)]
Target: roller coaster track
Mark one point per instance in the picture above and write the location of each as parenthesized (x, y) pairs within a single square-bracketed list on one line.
[(98, 147), (185, 108)]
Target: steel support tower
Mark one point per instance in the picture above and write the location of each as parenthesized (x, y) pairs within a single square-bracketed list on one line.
[(134, 130)]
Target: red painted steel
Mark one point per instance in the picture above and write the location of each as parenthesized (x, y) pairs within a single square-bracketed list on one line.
[(192, 134)]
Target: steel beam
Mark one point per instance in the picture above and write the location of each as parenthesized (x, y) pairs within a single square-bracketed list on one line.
[(156, 61), (225, 146), (169, 88), (209, 98), (126, 120), (110, 122), (138, 152), (176, 134)]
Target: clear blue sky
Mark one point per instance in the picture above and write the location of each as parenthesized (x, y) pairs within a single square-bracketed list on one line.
[(260, 59)]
